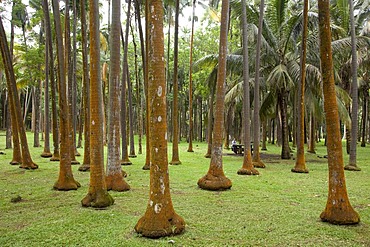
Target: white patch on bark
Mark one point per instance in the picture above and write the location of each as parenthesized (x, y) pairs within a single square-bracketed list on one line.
[(157, 208), (151, 202), (93, 122), (165, 136), (161, 184), (159, 119), (159, 91), (156, 150)]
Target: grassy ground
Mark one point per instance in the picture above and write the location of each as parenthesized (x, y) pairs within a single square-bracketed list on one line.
[(276, 208)]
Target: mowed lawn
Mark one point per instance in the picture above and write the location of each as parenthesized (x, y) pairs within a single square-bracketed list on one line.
[(276, 208)]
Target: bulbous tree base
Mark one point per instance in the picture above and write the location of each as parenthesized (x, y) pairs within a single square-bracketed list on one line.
[(29, 166), (338, 216), (210, 182), (152, 228), (116, 183), (55, 157), (75, 162), (207, 155), (126, 162), (46, 155), (66, 184), (245, 171), (352, 168), (14, 162), (146, 167), (175, 162), (84, 168), (99, 199), (259, 164), (299, 170)]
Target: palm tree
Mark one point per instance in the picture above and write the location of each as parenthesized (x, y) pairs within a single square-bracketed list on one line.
[(256, 123), (215, 178), (125, 157), (27, 162), (352, 166), (69, 68), (97, 195), (175, 111), (338, 208), (300, 164), (114, 178), (190, 147), (247, 168), (65, 180), (160, 219), (86, 90), (45, 7)]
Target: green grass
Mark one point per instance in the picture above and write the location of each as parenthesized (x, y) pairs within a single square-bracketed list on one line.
[(276, 208)]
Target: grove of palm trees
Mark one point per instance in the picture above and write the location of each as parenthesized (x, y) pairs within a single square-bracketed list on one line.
[(132, 107)]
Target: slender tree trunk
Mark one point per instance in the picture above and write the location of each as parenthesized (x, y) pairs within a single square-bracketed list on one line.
[(74, 78), (247, 167), (190, 147), (46, 153), (160, 218), (364, 115), (210, 123), (338, 208), (300, 163), (285, 149), (65, 180), (175, 110), (27, 162), (352, 165), (125, 158), (69, 68), (312, 139), (114, 178), (86, 90), (215, 178), (97, 196), (256, 118), (146, 86)]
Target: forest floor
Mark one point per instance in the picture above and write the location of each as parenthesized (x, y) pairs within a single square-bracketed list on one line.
[(276, 208)]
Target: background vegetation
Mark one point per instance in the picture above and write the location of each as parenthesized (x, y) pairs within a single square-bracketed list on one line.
[(277, 208)]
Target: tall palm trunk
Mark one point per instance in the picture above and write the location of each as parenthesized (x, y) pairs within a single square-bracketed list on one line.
[(160, 218), (175, 111), (114, 178), (285, 149), (97, 195), (256, 117), (144, 55), (12, 128), (46, 153), (215, 178), (86, 90), (210, 123), (124, 81), (300, 163), (338, 208), (65, 180), (27, 162), (352, 166), (365, 102), (146, 86), (247, 167), (69, 68), (190, 147)]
